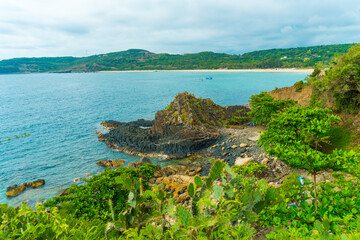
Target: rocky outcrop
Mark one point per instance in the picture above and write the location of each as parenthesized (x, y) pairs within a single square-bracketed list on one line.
[(15, 189), (187, 125), (177, 185), (35, 184), (111, 163), (111, 124), (176, 178)]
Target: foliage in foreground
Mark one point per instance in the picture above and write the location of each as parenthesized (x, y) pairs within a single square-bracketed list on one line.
[(26, 223), (228, 204)]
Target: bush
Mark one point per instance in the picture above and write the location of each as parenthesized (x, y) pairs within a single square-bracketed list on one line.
[(299, 85), (264, 107), (249, 169), (90, 201)]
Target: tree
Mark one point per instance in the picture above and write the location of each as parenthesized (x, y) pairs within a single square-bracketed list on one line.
[(296, 137), (343, 79), (264, 107)]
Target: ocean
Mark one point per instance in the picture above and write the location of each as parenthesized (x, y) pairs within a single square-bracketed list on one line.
[(62, 112)]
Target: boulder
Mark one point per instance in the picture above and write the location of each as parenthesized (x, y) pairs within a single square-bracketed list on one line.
[(101, 137), (265, 161), (243, 161), (111, 163), (255, 138), (111, 124), (15, 190), (182, 197), (242, 145), (185, 170), (36, 183), (145, 160), (234, 146), (135, 165), (177, 184)]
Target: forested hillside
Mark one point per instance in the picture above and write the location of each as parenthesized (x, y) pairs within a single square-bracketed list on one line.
[(137, 59)]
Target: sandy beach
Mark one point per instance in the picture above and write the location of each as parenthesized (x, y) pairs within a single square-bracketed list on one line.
[(225, 70)]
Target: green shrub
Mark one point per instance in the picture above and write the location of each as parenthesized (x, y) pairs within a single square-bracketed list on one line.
[(343, 80), (89, 201), (147, 170), (264, 107), (299, 85), (291, 181), (249, 169)]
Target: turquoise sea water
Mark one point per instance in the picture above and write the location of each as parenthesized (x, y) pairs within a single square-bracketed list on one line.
[(63, 111)]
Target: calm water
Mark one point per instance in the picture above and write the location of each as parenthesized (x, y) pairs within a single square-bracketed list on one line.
[(63, 111)]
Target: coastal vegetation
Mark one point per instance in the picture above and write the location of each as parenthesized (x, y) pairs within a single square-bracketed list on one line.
[(137, 59), (232, 201)]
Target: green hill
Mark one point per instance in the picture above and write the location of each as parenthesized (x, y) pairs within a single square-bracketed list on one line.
[(137, 59)]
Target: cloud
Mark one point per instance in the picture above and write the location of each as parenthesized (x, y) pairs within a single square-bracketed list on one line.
[(84, 27)]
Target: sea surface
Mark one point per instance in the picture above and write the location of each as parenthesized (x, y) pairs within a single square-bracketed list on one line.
[(62, 112)]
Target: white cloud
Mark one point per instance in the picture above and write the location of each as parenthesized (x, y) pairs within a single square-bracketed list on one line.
[(83, 27)]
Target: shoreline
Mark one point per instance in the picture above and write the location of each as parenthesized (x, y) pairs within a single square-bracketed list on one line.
[(309, 70)]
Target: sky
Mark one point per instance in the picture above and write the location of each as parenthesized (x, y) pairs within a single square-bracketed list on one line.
[(52, 28)]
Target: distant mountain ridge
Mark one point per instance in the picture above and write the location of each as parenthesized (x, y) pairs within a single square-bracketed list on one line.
[(139, 59)]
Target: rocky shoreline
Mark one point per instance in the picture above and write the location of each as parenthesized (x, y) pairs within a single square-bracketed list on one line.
[(196, 130)]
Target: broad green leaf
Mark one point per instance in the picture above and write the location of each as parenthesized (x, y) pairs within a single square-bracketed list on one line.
[(198, 181), (191, 190)]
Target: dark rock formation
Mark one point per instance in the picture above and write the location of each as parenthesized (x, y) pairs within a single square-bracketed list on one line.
[(187, 125)]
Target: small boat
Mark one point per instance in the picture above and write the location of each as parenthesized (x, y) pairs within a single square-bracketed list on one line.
[(208, 78)]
